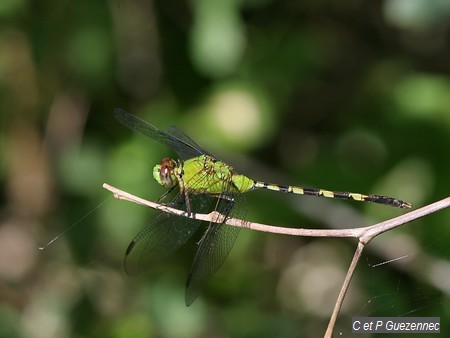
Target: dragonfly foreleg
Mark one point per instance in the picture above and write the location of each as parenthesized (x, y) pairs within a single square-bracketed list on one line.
[(163, 196)]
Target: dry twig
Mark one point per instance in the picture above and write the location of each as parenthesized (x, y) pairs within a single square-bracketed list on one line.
[(364, 234)]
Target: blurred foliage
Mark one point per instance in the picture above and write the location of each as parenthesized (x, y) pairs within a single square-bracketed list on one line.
[(346, 95)]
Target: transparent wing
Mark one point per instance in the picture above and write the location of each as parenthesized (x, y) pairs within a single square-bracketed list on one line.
[(181, 135), (165, 234), (214, 248), (185, 147)]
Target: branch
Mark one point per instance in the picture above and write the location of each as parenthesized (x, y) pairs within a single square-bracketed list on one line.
[(369, 233), (364, 234)]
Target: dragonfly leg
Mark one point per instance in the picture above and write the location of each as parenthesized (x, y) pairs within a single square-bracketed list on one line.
[(163, 196), (188, 203), (226, 212), (224, 197)]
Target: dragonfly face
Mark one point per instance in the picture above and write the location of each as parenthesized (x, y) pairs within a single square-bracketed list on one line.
[(164, 173)]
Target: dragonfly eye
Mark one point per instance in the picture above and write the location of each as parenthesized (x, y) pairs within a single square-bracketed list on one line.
[(164, 173)]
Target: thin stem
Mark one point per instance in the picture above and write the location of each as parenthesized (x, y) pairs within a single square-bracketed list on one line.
[(344, 289), (379, 228), (365, 234)]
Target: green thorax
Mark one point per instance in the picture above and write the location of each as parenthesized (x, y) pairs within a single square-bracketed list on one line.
[(202, 175)]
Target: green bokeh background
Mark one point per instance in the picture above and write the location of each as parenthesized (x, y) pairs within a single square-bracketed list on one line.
[(349, 95)]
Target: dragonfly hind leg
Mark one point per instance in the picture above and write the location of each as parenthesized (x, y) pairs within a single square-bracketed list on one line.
[(229, 200)]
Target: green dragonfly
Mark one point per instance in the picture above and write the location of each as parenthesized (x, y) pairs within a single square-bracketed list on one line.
[(203, 183)]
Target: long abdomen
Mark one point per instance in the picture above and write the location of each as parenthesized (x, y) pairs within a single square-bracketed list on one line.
[(391, 201)]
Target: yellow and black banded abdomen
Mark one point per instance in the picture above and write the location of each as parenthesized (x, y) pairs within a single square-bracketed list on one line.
[(391, 201)]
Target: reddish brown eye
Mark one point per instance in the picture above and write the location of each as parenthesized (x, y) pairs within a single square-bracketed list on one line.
[(166, 174)]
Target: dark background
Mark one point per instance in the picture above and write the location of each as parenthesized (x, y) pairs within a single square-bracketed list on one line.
[(342, 95)]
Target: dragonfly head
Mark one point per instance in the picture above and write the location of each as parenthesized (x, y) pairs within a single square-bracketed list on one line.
[(164, 173)]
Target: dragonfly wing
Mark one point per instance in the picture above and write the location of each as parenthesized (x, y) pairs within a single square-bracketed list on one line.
[(160, 238), (181, 135), (165, 234), (214, 248), (185, 150)]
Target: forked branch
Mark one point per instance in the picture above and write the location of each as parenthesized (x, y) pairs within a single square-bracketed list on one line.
[(363, 234)]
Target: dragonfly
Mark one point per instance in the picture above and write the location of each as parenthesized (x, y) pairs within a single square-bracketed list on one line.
[(203, 183)]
